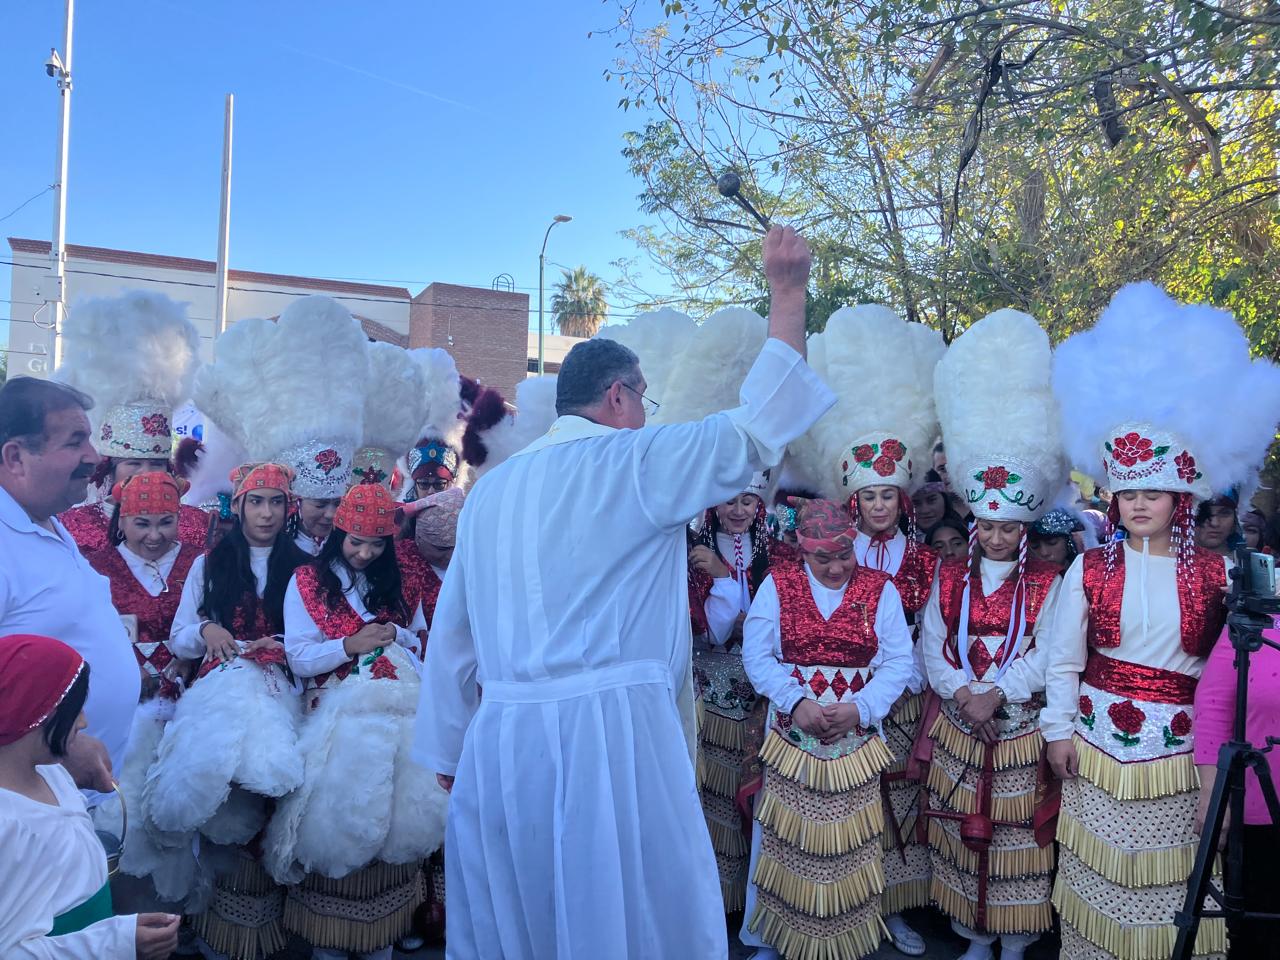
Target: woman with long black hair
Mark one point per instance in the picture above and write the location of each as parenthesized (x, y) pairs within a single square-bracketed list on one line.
[(354, 642)]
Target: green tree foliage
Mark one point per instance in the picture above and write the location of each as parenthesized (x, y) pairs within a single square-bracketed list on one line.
[(953, 157), (579, 303)]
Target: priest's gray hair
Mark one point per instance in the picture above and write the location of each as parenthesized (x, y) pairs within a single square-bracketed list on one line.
[(591, 368)]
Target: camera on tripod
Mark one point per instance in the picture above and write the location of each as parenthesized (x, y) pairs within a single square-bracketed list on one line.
[(1253, 584)]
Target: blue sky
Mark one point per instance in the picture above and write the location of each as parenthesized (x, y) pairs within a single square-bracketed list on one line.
[(403, 141)]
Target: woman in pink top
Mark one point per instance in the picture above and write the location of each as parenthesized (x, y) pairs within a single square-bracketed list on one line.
[(1214, 719)]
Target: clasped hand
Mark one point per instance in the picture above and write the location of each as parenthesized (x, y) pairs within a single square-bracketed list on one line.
[(369, 637), (977, 710), (828, 723)]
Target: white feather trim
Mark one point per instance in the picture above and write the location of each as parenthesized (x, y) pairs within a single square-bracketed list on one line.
[(443, 401), (1185, 368), (212, 473), (707, 375), (132, 347), (395, 401), (356, 790), (273, 386)]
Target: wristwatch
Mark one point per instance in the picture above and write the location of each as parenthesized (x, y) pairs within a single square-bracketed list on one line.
[(1002, 695)]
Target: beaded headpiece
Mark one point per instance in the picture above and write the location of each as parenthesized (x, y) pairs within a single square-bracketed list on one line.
[(395, 404)]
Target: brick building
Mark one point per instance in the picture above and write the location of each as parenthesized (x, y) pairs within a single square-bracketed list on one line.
[(485, 330)]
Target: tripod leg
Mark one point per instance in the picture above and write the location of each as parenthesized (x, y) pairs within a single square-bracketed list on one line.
[(1258, 760), (1187, 920)]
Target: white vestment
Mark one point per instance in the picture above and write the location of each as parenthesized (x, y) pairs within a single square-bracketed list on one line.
[(53, 862), (575, 829)]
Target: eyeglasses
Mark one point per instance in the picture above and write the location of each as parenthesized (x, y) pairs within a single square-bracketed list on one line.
[(650, 406)]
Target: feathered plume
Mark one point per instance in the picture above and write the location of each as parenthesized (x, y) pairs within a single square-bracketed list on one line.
[(443, 394), (1185, 368), (996, 408), (132, 347), (535, 412), (273, 386), (708, 372), (395, 400), (486, 412), (210, 475), (882, 371), (187, 457), (658, 339)]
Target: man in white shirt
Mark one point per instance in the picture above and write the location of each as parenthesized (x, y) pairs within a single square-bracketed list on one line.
[(575, 829), (47, 586)]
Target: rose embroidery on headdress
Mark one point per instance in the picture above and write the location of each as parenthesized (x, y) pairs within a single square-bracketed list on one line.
[(893, 449), (1133, 448), (1186, 465), (155, 425), (107, 431), (997, 478), (328, 460)]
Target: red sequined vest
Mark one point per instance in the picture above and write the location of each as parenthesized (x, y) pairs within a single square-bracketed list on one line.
[(337, 623), (847, 639), (914, 578), (155, 614), (418, 580), (1200, 599), (989, 616)]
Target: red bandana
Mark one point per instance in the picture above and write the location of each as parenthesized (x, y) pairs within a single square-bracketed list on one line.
[(260, 476), (149, 493), (367, 510), (35, 674)]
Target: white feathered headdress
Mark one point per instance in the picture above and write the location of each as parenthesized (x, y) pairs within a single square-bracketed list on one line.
[(395, 405), (135, 355), (1000, 419), (880, 431), (533, 416), (439, 441), (1160, 395), (292, 392)]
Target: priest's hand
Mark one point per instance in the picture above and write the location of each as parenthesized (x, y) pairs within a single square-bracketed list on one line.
[(445, 781), (89, 763), (811, 718), (218, 642), (369, 637), (156, 935), (1063, 758), (786, 267), (703, 559), (841, 719)]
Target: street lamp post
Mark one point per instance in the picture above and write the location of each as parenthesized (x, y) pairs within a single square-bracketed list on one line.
[(542, 263), (59, 67)]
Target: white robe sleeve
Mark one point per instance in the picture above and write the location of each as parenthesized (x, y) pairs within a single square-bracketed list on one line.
[(722, 608), (944, 678), (891, 666), (184, 634), (308, 650), (680, 469), (1026, 675), (1065, 652), (762, 650), (450, 694), (26, 917), (919, 675), (409, 637)]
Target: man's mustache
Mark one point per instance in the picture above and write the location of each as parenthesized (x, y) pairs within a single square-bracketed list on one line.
[(82, 473)]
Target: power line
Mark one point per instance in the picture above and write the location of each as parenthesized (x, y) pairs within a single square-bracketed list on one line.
[(25, 202)]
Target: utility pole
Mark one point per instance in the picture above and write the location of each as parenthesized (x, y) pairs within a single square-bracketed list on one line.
[(224, 223), (59, 67), (542, 262)]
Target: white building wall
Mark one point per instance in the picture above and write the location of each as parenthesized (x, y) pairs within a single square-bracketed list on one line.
[(30, 340)]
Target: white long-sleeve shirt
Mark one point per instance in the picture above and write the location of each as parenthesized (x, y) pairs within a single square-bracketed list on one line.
[(730, 596), (1025, 676), (311, 652), (1150, 633), (53, 862), (869, 555), (890, 667), (184, 635)]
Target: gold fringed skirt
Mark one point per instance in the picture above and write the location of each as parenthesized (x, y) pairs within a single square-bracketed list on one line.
[(1126, 833), (725, 698), (244, 918), (906, 856), (1007, 890), (819, 876), (361, 912)]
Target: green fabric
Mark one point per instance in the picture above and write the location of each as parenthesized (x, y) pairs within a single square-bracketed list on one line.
[(98, 907)]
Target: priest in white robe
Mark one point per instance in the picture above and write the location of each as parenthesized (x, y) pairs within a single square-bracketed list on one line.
[(575, 829)]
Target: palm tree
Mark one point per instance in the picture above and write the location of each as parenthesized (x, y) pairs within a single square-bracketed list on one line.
[(578, 304)]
